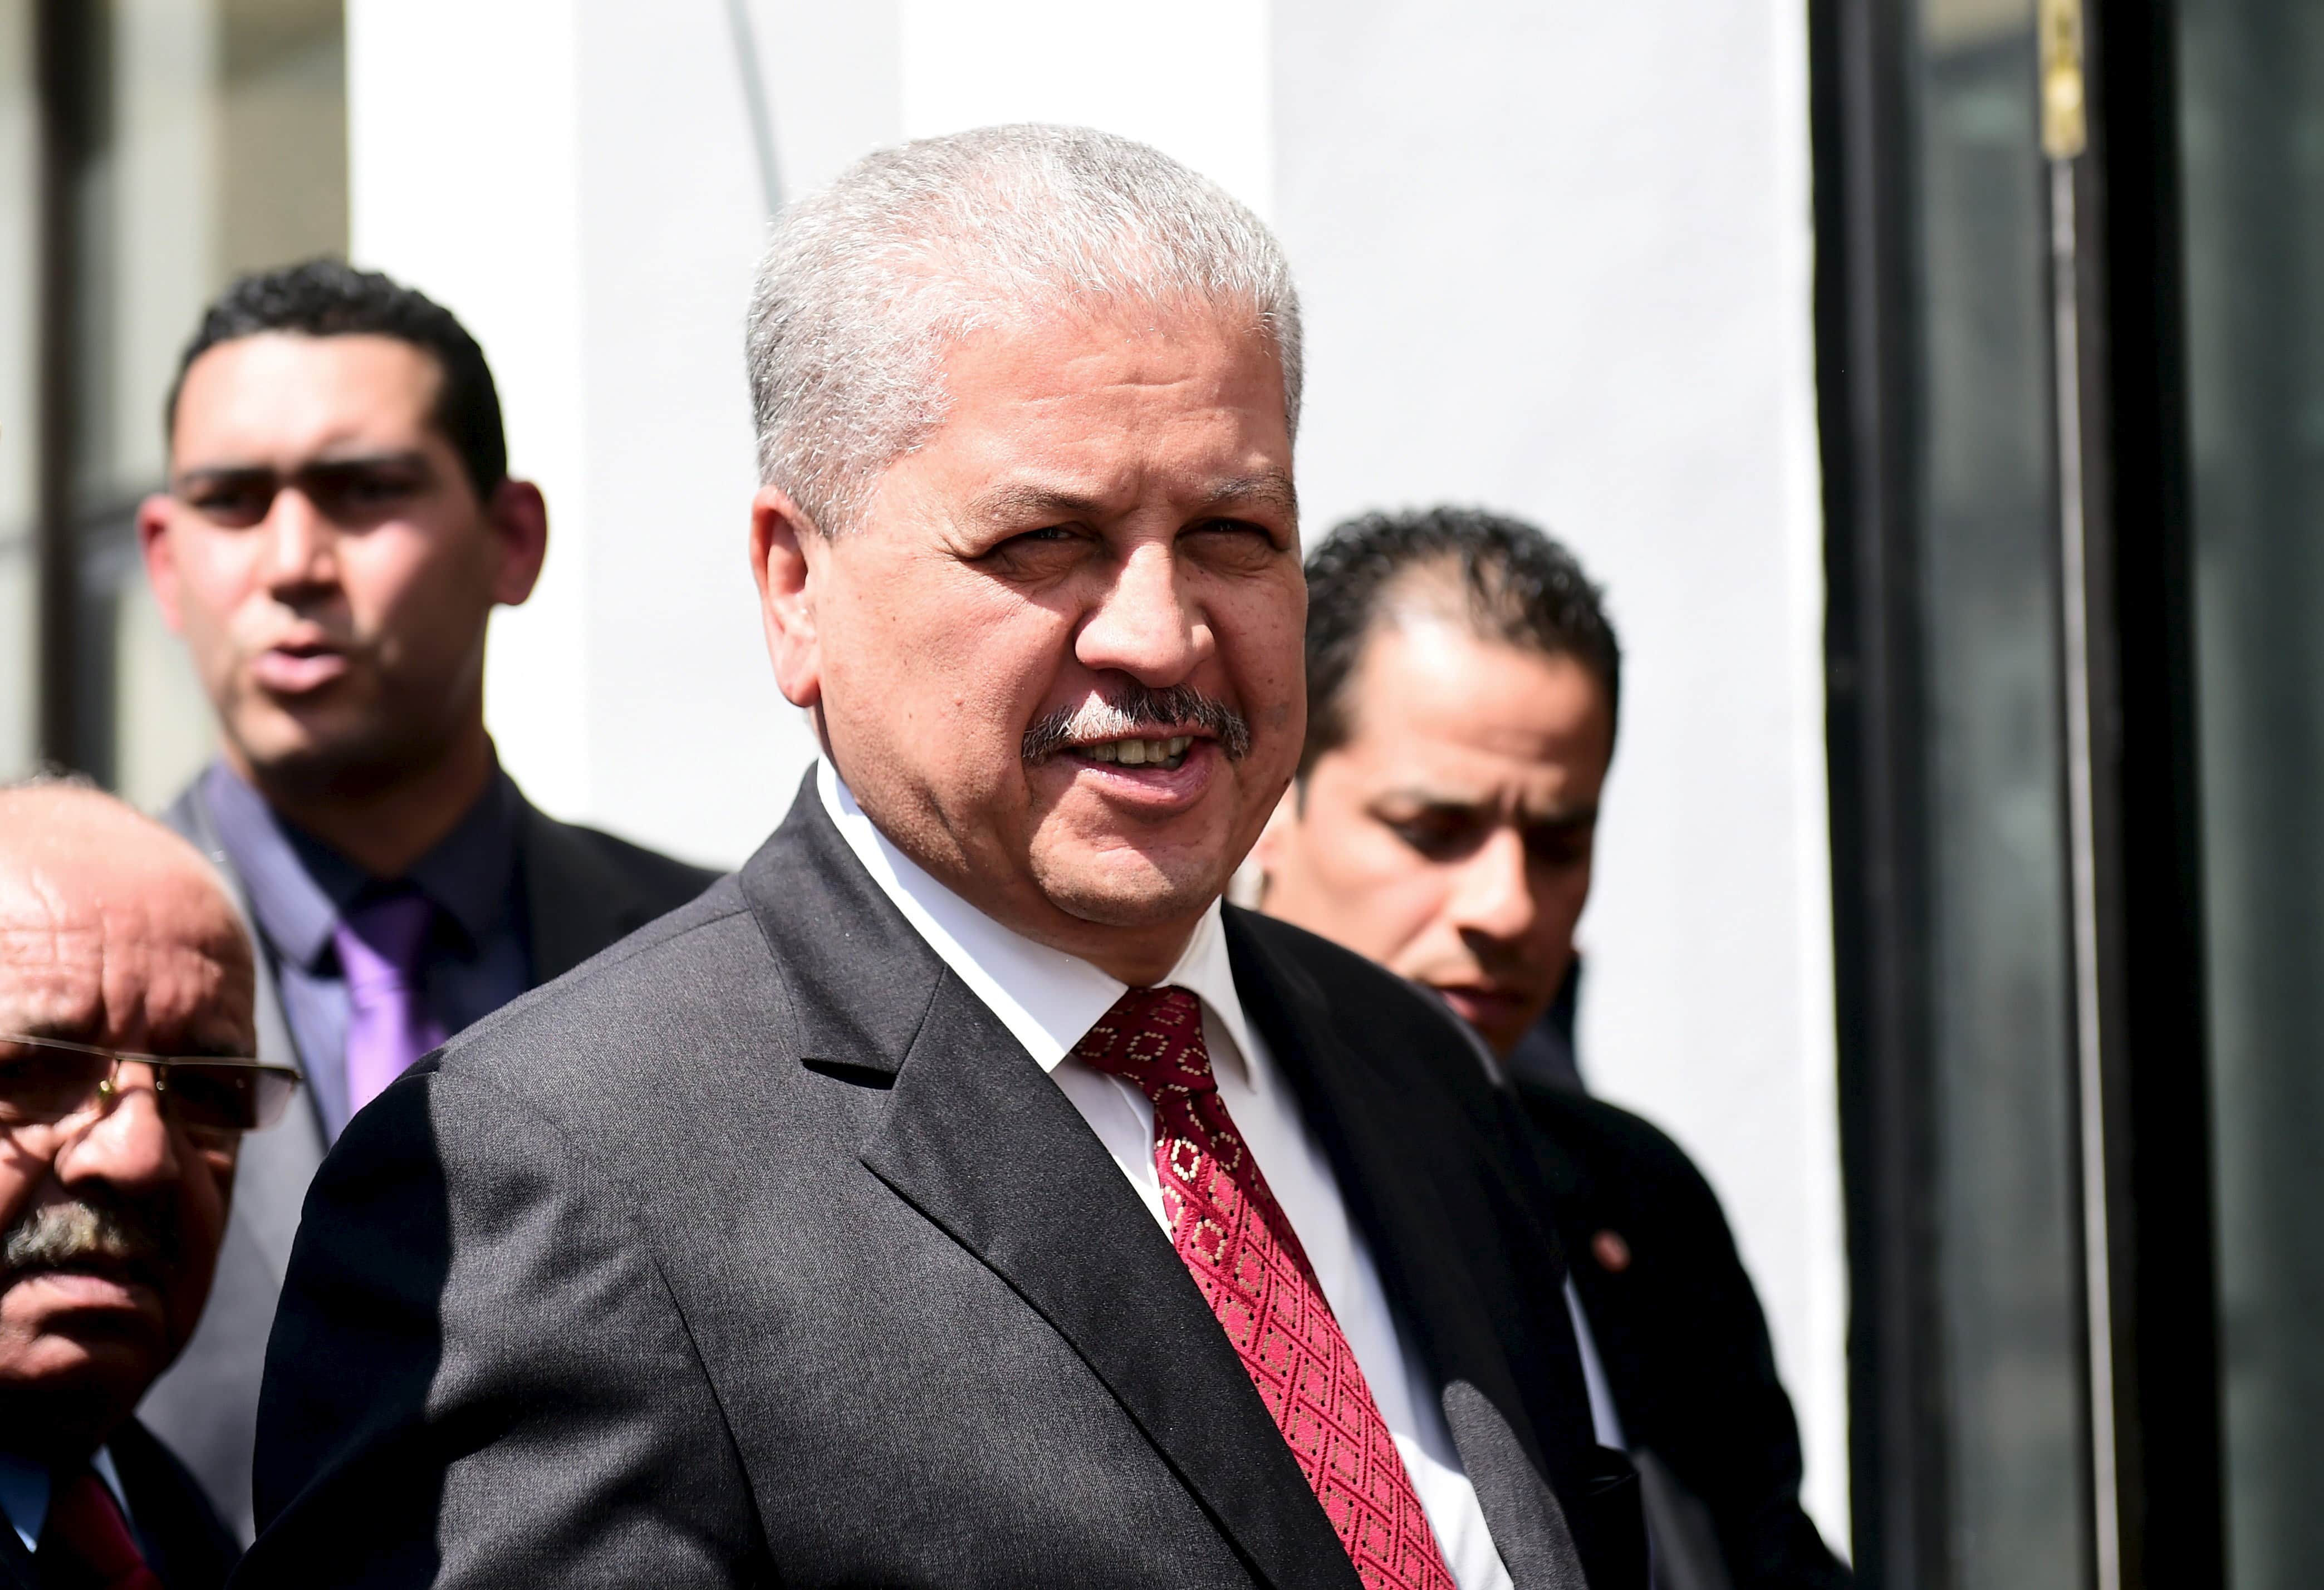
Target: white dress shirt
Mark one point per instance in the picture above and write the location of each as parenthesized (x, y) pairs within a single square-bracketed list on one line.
[(1049, 1000)]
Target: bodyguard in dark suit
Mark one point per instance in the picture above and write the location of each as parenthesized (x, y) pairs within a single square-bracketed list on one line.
[(126, 1092), (1684, 1344), (960, 1195), (1462, 681), (339, 526)]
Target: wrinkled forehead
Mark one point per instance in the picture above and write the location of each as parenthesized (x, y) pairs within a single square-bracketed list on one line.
[(89, 953)]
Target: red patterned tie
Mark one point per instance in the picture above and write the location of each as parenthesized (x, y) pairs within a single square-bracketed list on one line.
[(1232, 1236), (87, 1541)]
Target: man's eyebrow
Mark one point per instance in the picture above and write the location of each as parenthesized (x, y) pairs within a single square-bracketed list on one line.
[(1429, 799), (1018, 502), (327, 464), (1271, 490), (1438, 801)]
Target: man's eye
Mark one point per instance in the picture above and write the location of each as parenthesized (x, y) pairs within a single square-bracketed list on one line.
[(1562, 846), (368, 490), (232, 505), (1235, 529), (1440, 839), (1032, 549)]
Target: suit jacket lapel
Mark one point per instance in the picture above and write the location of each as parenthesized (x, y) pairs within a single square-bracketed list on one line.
[(276, 1165), (977, 1139), (575, 904), (16, 1569)]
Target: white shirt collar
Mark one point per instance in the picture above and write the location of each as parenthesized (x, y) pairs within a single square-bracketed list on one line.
[(1046, 998), (25, 1487)]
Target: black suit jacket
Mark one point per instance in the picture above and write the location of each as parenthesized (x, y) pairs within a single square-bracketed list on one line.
[(184, 1542), (1681, 1335), (583, 890), (758, 1250)]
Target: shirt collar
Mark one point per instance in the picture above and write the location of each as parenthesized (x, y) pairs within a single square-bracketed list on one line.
[(299, 886), (1047, 1000), (25, 1486)]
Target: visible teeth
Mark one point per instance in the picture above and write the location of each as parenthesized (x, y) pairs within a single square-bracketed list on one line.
[(1140, 753)]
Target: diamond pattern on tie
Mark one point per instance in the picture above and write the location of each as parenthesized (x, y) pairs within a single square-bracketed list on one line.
[(1234, 1240)]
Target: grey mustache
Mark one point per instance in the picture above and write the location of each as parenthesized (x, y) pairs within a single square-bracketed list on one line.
[(60, 1237), (1128, 709)]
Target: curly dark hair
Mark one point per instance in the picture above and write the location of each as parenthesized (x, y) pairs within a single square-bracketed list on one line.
[(330, 298), (1523, 587)]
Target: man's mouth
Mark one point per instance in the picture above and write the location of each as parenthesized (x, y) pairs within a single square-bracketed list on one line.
[(1167, 752), (292, 667), (1482, 1003)]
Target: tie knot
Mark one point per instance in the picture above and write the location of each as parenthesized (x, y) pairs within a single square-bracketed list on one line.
[(382, 937), (1152, 1039)]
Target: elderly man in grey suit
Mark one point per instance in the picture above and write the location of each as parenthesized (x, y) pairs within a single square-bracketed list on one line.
[(960, 1195), (339, 527)]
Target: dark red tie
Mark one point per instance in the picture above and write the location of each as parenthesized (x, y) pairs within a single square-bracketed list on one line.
[(86, 1543), (1243, 1254)]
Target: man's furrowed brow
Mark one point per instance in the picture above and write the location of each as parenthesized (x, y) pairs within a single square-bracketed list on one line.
[(1271, 490), (1021, 502), (224, 475), (1027, 502)]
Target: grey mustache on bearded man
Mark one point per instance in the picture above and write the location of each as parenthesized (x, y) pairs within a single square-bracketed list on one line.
[(1121, 713), (65, 1235)]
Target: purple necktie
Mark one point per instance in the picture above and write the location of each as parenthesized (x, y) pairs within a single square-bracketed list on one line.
[(388, 1025)]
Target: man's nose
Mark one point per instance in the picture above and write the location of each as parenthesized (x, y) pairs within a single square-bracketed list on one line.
[(1494, 894), (128, 1145), (301, 543), (1143, 625)]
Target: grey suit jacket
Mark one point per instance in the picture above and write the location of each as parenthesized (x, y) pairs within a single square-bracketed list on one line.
[(758, 1251), (583, 890)]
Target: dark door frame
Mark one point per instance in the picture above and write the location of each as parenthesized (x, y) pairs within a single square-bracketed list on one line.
[(2142, 1005)]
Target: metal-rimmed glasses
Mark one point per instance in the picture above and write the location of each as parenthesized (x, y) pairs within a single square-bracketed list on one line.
[(54, 1081)]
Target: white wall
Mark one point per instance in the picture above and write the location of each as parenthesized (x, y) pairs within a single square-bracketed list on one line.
[(1555, 258), (578, 183)]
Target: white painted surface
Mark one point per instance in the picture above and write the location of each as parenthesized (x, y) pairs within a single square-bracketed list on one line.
[(1554, 261), (463, 180), (1190, 77), (1555, 258), (577, 183)]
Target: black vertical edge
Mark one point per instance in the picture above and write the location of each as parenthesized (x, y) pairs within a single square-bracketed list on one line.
[(57, 29), (2146, 762), (1866, 321)]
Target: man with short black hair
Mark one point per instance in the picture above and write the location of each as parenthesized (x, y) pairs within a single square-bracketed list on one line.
[(126, 1089), (339, 525), (1462, 680)]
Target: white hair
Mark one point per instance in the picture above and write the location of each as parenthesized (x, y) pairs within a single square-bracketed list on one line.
[(867, 285)]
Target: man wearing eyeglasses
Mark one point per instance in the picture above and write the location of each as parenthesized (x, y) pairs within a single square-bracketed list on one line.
[(125, 1014)]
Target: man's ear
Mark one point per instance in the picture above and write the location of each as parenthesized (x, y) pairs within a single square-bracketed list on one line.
[(161, 557), (519, 517), (786, 549), (1266, 855)]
